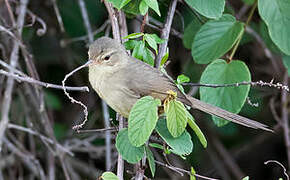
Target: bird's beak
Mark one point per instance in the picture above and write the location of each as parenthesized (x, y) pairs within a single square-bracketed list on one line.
[(88, 63)]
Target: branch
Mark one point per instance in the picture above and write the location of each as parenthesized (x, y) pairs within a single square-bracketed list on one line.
[(39, 83), (257, 83), (10, 81), (165, 32), (58, 16)]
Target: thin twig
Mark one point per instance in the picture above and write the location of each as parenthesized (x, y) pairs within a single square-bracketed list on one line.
[(76, 127), (40, 31), (277, 162), (10, 81), (181, 171), (44, 84), (58, 16), (257, 83), (86, 20), (165, 32), (112, 129)]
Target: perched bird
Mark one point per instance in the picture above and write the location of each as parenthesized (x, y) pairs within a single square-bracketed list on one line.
[(121, 80)]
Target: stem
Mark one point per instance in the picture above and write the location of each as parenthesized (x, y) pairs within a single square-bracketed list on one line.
[(241, 36)]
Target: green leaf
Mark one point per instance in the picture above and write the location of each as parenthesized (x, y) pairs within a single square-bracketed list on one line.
[(129, 152), (109, 176), (151, 41), (181, 145), (151, 160), (155, 145), (119, 3), (143, 7), (154, 5), (228, 98), (176, 117), (197, 130), (276, 15), (133, 36), (132, 8), (192, 173), (142, 120), (157, 39), (264, 33), (138, 51), (182, 79), (286, 62), (165, 57), (208, 8), (130, 44), (246, 178), (148, 56), (190, 32), (215, 38)]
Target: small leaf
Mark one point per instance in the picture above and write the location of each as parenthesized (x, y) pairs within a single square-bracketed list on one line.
[(229, 98), (109, 176), (155, 145), (151, 41), (192, 173), (148, 56), (197, 130), (129, 152), (151, 160), (133, 36), (142, 120), (154, 5), (181, 145), (208, 8), (246, 178), (176, 117), (215, 38), (130, 44), (143, 7), (119, 3), (138, 51), (182, 79), (165, 57), (157, 39)]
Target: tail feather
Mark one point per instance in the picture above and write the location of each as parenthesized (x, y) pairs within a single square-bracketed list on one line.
[(213, 110)]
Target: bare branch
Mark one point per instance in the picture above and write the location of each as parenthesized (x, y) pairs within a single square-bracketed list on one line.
[(58, 16), (165, 32)]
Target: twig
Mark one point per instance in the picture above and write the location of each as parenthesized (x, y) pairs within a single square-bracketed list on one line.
[(86, 20), (44, 84), (120, 165), (284, 117), (165, 32), (40, 31), (112, 129), (77, 127), (10, 81), (44, 138), (257, 83), (277, 162), (181, 171), (58, 16), (65, 42), (114, 21)]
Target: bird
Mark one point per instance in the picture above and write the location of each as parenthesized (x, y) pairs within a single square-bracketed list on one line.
[(120, 80)]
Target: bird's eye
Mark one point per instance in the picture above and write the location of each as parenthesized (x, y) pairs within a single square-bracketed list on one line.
[(106, 58)]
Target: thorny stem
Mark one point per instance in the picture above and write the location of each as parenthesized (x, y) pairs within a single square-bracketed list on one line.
[(241, 36)]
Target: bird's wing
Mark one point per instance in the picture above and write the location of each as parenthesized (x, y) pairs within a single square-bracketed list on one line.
[(145, 80)]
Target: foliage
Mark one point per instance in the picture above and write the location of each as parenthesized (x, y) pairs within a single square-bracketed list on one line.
[(109, 176)]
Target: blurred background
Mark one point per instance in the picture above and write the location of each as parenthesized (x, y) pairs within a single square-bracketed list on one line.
[(39, 142)]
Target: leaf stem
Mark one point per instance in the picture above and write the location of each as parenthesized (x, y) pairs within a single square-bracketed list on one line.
[(241, 36)]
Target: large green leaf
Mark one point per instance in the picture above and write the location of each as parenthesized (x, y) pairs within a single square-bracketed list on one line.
[(181, 145), (228, 98), (129, 152), (119, 3), (176, 117), (142, 120), (215, 38), (109, 176), (208, 8), (276, 14), (190, 31), (154, 5)]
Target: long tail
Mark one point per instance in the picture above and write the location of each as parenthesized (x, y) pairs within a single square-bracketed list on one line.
[(213, 110)]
